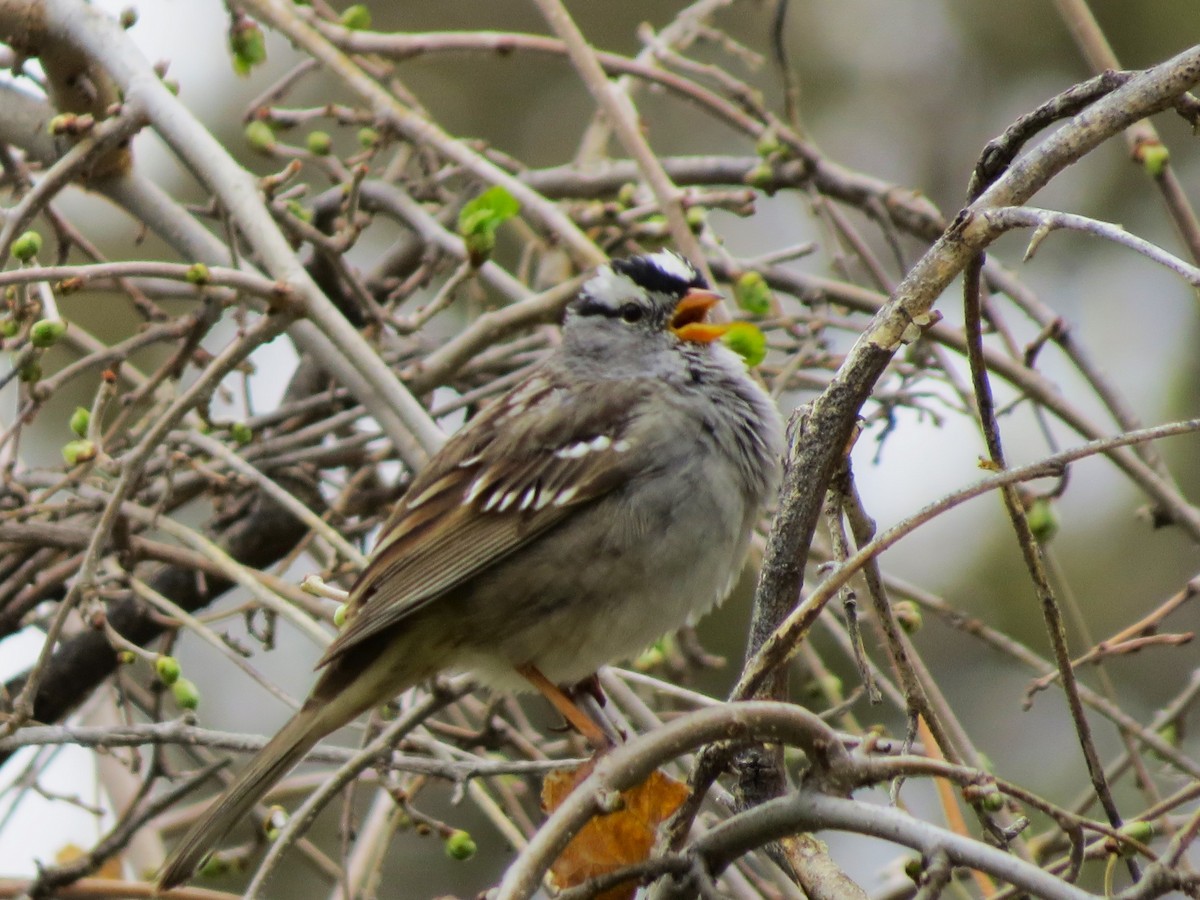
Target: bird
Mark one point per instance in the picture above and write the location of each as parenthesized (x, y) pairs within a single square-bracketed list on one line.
[(605, 500)]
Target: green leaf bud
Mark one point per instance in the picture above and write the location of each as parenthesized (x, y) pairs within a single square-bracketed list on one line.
[(76, 452), (80, 419), (168, 670), (746, 340), (186, 694), (46, 332), (460, 846), (27, 245)]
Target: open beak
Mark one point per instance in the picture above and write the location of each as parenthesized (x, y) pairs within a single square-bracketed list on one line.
[(688, 320)]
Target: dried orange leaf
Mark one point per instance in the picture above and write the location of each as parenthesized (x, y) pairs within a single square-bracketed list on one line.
[(614, 840)]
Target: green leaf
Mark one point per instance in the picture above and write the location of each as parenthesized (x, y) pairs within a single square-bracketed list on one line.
[(479, 219), (752, 293), (747, 341), (489, 210)]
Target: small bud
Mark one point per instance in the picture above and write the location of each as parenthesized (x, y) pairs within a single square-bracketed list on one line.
[(914, 868), (825, 686), (1139, 831), (762, 177), (319, 143), (248, 45), (300, 211), (368, 138), (76, 452), (460, 846), (480, 245), (908, 615), (752, 293), (26, 246), (9, 326), (356, 17), (129, 17), (695, 217), (46, 332), (747, 341), (63, 123), (241, 433), (260, 136), (126, 657), (31, 372), (1153, 156), (187, 695), (339, 615), (80, 419), (1043, 519), (389, 712), (768, 144), (992, 801), (627, 194), (168, 670), (214, 865), (197, 274)]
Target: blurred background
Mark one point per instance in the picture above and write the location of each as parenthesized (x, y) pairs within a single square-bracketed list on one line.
[(908, 96)]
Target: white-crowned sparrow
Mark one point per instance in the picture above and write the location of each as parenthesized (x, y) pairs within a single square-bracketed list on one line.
[(604, 501)]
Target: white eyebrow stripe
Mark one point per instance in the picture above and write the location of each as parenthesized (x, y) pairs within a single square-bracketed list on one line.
[(600, 442), (674, 264)]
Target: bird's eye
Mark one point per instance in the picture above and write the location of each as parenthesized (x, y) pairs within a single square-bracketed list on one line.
[(631, 312)]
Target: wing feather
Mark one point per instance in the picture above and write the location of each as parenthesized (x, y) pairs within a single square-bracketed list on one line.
[(499, 482)]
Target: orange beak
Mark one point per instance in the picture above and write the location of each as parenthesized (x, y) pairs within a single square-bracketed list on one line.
[(688, 321)]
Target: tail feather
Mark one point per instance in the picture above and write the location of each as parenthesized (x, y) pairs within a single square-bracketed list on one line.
[(269, 765)]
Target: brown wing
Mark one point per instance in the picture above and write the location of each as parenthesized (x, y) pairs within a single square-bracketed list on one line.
[(499, 482)]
